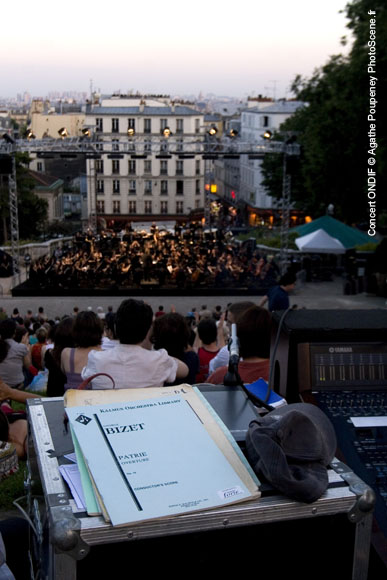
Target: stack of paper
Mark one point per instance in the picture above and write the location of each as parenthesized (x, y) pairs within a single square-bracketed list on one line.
[(151, 453)]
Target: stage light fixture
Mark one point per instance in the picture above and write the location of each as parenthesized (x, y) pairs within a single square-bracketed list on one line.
[(86, 132), (233, 133), (8, 139), (30, 134), (131, 132), (63, 132), (167, 132), (213, 131), (267, 135)]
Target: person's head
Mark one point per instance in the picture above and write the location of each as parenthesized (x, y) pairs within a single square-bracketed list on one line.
[(41, 334), (171, 332), (254, 332), (235, 310), (288, 281), (207, 330), (133, 321), (62, 336), (19, 333), (110, 326), (87, 329), (7, 328)]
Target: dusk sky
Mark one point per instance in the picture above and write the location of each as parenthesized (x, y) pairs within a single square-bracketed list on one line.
[(234, 48)]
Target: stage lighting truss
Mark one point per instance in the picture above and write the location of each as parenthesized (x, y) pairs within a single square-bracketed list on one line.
[(190, 145)]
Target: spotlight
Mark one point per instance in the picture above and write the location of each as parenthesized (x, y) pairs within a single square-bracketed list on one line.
[(8, 139), (30, 134), (131, 132), (86, 132), (167, 132), (63, 132), (212, 131), (267, 135), (233, 133)]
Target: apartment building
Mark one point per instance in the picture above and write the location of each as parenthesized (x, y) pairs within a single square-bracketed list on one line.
[(255, 121), (148, 163)]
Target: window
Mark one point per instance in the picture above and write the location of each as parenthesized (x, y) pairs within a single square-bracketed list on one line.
[(132, 207), (100, 186), (147, 166), (265, 121), (164, 187), (179, 126), (197, 125), (197, 167), (163, 124), (164, 147), (39, 166), (164, 167), (147, 126), (99, 166), (179, 187), (148, 207), (115, 125), (179, 167), (115, 144), (164, 207), (179, 145), (147, 145), (197, 186), (179, 207), (100, 206), (116, 206), (132, 187), (131, 147), (132, 167), (132, 124), (197, 203), (99, 146), (99, 125), (115, 166), (148, 187), (116, 186)]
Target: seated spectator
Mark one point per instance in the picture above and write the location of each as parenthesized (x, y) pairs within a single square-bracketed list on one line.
[(14, 356), (234, 310), (172, 332), (36, 349), (62, 337), (212, 339), (253, 331), (13, 425), (87, 334), (109, 339), (16, 316), (130, 364)]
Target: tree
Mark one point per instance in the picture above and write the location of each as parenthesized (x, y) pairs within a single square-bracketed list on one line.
[(333, 129)]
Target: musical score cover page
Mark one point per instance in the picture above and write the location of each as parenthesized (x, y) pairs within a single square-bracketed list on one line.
[(154, 458)]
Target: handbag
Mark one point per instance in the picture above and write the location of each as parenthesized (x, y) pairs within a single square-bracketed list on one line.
[(85, 384)]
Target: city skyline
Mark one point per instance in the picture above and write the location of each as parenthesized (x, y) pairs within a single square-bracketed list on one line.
[(213, 47)]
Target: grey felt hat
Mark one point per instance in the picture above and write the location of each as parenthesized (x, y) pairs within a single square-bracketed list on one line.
[(291, 448)]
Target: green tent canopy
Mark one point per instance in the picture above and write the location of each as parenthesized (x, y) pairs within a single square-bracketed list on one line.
[(348, 236)]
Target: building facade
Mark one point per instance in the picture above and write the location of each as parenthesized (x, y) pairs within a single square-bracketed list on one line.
[(254, 122), (147, 164)]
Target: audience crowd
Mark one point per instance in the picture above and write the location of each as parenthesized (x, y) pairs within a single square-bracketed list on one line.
[(133, 346)]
